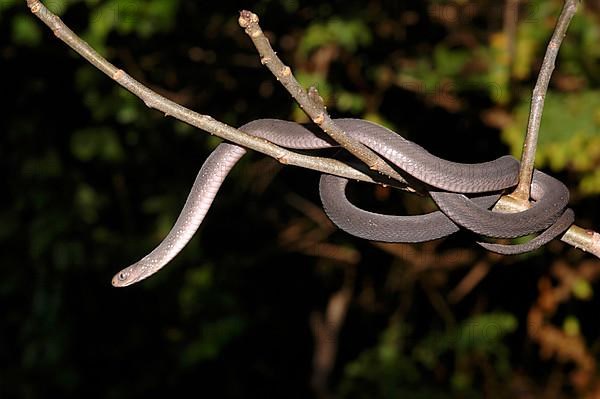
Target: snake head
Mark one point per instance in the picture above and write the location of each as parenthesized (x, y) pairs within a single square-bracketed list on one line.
[(125, 277), (136, 272)]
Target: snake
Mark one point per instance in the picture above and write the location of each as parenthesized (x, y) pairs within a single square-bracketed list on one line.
[(460, 210), (463, 192)]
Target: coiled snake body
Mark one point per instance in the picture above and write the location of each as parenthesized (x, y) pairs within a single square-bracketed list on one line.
[(447, 183)]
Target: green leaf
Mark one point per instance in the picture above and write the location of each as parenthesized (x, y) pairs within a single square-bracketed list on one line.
[(211, 341), (582, 289), (481, 333), (143, 17), (47, 165), (25, 31), (569, 135), (350, 102), (348, 34), (87, 202), (96, 142), (571, 326)]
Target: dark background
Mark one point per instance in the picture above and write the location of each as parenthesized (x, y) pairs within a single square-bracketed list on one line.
[(93, 180)]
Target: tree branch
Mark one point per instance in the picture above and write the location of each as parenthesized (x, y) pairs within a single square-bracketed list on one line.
[(203, 122), (537, 101), (310, 102), (518, 200), (576, 236)]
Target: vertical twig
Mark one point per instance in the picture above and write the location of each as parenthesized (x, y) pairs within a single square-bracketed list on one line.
[(511, 17), (310, 102), (326, 330), (537, 101)]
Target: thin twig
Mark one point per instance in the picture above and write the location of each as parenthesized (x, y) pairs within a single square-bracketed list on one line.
[(310, 102), (537, 101), (204, 122), (511, 17), (476, 273), (326, 329), (518, 200)]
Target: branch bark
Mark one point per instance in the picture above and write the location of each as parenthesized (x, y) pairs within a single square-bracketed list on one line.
[(518, 200), (523, 189)]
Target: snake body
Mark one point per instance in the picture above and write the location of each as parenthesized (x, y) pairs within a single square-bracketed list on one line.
[(550, 195), (456, 179), (385, 228), (208, 181)]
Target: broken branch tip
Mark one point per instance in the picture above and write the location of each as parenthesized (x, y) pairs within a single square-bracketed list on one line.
[(247, 18)]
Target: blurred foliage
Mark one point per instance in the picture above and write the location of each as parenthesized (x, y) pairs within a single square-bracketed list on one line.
[(570, 136), (142, 18), (392, 368), (349, 35), (94, 179)]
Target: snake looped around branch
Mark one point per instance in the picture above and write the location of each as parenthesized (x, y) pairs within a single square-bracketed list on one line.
[(463, 192)]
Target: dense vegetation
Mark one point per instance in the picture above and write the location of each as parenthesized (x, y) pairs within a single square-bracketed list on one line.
[(268, 299)]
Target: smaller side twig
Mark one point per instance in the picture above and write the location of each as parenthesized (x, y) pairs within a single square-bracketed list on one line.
[(310, 102), (523, 189)]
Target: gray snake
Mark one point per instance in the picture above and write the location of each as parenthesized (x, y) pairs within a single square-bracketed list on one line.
[(447, 182)]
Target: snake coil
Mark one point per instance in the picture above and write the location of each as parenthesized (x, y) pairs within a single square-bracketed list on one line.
[(463, 192)]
